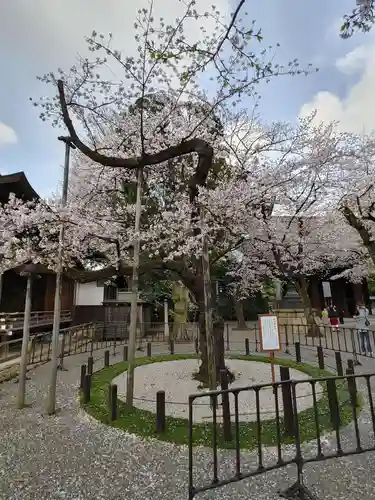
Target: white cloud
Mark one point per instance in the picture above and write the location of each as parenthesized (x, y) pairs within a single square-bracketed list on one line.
[(50, 34), (354, 61), (7, 135), (355, 112)]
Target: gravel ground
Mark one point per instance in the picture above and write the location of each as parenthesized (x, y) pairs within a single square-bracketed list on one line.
[(72, 457), (175, 378)]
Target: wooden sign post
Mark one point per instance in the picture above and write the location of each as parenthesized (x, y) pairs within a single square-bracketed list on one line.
[(270, 338)]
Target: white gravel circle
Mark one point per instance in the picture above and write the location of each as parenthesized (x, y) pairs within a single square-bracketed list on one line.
[(175, 378)]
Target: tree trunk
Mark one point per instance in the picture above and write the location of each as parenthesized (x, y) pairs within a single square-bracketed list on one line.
[(313, 329), (238, 309), (218, 347)]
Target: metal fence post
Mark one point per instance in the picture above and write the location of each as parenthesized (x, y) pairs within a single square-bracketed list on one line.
[(149, 349), (286, 391), (339, 367), (106, 358), (352, 387), (227, 427), (333, 403)]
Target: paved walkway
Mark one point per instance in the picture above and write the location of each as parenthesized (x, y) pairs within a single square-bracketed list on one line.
[(71, 457)]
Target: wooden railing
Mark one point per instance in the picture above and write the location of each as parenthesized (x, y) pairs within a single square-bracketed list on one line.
[(10, 322)]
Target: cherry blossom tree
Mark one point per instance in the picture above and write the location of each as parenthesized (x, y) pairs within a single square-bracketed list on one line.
[(99, 216), (298, 233), (355, 194), (109, 118), (360, 19)]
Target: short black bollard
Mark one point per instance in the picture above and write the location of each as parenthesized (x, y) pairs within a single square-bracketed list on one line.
[(339, 368), (125, 353), (196, 345), (352, 388), (333, 403), (320, 357), (149, 349), (247, 347), (90, 365), (171, 346), (160, 412), (83, 373), (106, 358), (351, 365), (298, 352), (86, 388), (286, 391), (112, 402), (286, 340)]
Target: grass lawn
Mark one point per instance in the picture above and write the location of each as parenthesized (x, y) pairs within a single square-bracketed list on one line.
[(142, 422)]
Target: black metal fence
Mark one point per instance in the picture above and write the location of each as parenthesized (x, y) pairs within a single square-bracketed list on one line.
[(334, 402), (91, 337), (342, 339)]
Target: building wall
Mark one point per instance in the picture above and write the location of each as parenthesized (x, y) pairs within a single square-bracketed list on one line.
[(89, 294), (67, 294), (88, 314), (13, 293)]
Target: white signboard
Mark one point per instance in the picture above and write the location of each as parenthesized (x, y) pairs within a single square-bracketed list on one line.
[(269, 333), (326, 289)]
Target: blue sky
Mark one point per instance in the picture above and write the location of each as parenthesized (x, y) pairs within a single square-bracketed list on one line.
[(39, 36)]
